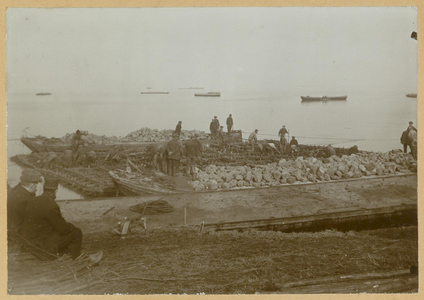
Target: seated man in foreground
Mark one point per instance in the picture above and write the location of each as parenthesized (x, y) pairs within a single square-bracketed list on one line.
[(46, 229)]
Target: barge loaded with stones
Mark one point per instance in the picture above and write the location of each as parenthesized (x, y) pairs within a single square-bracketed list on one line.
[(139, 139)]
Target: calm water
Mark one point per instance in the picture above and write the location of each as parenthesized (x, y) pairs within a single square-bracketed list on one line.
[(373, 121)]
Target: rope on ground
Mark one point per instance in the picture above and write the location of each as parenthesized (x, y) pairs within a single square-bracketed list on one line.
[(152, 207)]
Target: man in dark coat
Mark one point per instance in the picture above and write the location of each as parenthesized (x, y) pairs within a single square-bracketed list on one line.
[(404, 139), (46, 229), (174, 154), (178, 128), (214, 126), (193, 150), (230, 123), (18, 198)]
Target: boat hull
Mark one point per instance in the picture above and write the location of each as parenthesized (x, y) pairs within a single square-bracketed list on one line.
[(130, 188), (411, 95), (40, 145), (154, 93), (312, 99), (207, 95)]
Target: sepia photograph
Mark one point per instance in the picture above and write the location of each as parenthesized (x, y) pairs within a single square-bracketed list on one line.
[(212, 150)]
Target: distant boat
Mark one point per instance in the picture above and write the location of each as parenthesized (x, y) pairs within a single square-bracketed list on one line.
[(411, 95), (323, 98), (191, 88), (210, 94), (43, 94), (154, 92)]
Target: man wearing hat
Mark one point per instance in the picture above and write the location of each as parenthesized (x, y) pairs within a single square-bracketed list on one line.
[(283, 140), (46, 229), (411, 127), (173, 149), (18, 198), (193, 149), (230, 123), (178, 128)]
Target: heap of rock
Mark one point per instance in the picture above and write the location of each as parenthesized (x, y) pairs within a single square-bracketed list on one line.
[(305, 170), (142, 135), (154, 135)]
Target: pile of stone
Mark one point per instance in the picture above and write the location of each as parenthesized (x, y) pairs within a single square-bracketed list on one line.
[(154, 135), (142, 135), (305, 170)]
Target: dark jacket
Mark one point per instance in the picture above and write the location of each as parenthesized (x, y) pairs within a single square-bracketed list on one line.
[(229, 121), (178, 129), (282, 131), (193, 148), (17, 201), (294, 142), (43, 217), (174, 149), (404, 139), (214, 126), (44, 224)]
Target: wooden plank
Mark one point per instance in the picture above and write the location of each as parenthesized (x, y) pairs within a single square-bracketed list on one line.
[(323, 221)]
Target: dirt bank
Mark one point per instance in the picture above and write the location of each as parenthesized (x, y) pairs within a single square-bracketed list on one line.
[(296, 200)]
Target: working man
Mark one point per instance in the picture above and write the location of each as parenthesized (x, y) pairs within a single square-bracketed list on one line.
[(77, 140), (253, 139), (46, 229), (413, 139), (294, 144), (330, 150), (178, 128), (283, 131), (174, 155), (18, 198), (230, 124), (353, 150), (214, 126), (404, 140), (157, 154), (220, 133), (411, 127), (193, 150)]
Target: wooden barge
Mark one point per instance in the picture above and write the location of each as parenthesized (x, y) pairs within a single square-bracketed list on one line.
[(41, 144)]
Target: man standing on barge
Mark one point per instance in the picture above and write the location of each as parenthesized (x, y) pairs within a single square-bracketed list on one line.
[(174, 155)]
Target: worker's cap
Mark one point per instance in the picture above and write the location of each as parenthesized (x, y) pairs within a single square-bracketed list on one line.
[(215, 117), (284, 125), (293, 137), (51, 183), (410, 122), (179, 122), (256, 130), (222, 126), (30, 176)]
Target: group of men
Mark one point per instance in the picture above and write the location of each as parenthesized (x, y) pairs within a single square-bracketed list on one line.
[(409, 138), (37, 222), (166, 156), (284, 145), (217, 131)]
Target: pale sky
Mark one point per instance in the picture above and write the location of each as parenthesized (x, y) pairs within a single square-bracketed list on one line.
[(282, 49)]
